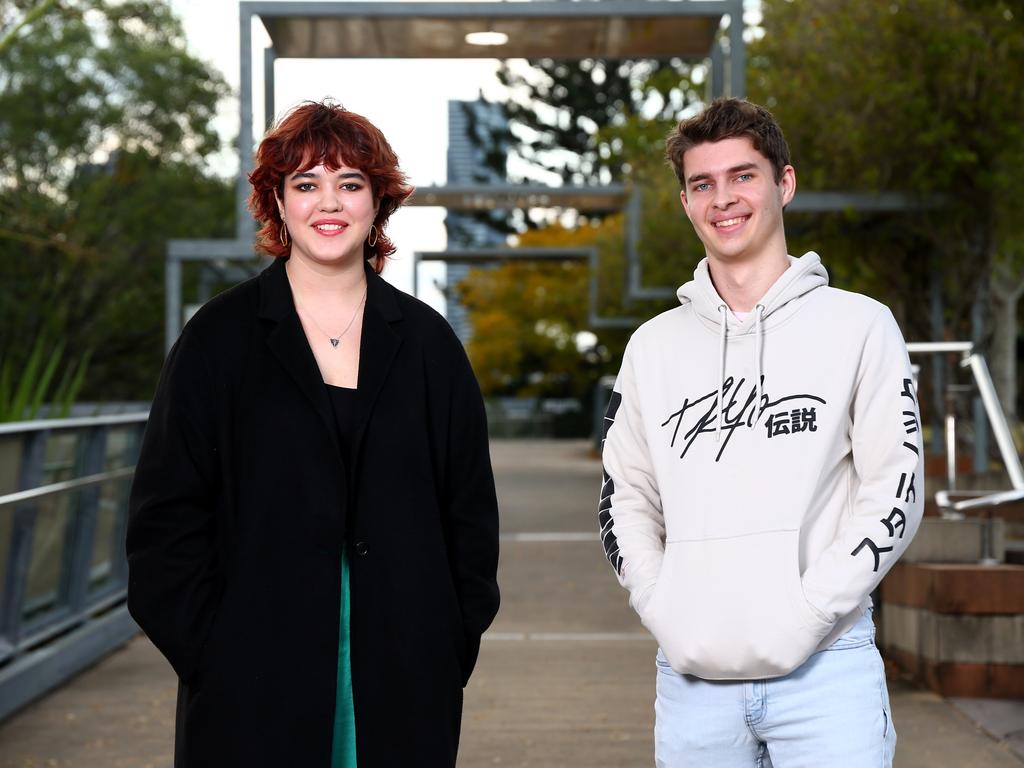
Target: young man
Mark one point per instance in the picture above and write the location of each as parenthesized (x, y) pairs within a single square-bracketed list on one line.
[(762, 472)]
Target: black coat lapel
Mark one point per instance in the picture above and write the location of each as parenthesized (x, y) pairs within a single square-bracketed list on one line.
[(288, 342), (377, 350)]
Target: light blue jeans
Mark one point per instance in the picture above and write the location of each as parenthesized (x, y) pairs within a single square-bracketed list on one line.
[(831, 711)]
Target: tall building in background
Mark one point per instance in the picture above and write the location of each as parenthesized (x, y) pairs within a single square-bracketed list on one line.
[(477, 148)]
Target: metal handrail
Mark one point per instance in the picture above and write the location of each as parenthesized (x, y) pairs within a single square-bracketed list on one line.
[(932, 347), (987, 391), (41, 425), (984, 499), (65, 485), (980, 500)]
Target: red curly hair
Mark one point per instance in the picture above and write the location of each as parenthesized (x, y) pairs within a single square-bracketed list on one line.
[(316, 133)]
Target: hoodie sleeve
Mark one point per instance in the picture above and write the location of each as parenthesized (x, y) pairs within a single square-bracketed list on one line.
[(888, 497), (630, 514)]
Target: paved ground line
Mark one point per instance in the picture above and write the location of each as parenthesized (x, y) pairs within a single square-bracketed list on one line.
[(590, 536), (573, 637)]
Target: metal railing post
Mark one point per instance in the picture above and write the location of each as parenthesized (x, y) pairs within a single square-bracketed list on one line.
[(19, 556), (997, 420), (83, 522), (119, 558)]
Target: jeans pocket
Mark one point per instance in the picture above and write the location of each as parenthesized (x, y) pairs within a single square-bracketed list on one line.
[(859, 635)]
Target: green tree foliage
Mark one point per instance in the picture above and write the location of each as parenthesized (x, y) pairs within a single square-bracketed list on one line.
[(913, 96), (23, 392), (921, 97), (557, 110), (105, 126)]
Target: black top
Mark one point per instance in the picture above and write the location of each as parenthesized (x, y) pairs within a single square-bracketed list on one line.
[(343, 403)]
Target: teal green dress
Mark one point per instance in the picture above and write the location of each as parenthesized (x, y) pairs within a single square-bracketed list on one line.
[(343, 743), (343, 747)]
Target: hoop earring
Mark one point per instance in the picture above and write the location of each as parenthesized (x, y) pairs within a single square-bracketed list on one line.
[(374, 234), (282, 234)]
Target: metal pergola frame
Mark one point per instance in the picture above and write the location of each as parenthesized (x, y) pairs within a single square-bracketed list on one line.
[(272, 12), (614, 197), (482, 256)]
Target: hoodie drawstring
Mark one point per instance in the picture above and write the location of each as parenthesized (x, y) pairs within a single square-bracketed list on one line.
[(723, 311), (758, 317)]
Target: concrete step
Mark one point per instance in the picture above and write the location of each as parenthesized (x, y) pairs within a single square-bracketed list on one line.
[(939, 540)]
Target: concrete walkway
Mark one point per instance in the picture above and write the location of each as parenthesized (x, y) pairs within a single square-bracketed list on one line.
[(566, 674)]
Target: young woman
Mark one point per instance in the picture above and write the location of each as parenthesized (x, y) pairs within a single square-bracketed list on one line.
[(313, 532)]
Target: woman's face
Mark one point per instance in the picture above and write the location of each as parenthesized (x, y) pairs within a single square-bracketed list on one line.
[(328, 213)]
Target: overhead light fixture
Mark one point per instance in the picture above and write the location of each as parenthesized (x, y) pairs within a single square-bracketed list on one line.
[(487, 38)]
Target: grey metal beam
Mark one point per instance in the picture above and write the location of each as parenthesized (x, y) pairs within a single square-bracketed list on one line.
[(717, 73), (172, 298), (119, 531), (269, 98), (42, 425), (632, 226), (607, 29), (737, 52), (209, 250), (30, 676), (243, 221), (475, 197), (194, 250), (882, 202), (19, 553), (499, 255), (54, 489), (495, 10), (82, 534)]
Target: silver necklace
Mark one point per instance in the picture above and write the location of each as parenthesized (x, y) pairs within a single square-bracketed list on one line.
[(335, 340)]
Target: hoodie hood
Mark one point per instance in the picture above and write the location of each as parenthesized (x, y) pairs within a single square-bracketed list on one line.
[(804, 275)]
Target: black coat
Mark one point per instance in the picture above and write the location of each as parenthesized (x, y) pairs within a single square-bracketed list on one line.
[(239, 510)]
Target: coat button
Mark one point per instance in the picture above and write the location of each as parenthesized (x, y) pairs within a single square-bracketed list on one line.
[(361, 548)]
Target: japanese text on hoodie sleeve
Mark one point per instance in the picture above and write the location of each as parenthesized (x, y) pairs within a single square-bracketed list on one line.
[(888, 461), (630, 514)]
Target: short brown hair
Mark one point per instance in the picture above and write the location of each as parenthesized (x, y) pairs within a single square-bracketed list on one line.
[(322, 132), (729, 119)]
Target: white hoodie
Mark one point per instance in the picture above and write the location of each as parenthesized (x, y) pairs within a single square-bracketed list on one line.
[(751, 534)]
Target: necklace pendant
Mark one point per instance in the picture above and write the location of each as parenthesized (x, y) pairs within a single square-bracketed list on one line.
[(335, 342)]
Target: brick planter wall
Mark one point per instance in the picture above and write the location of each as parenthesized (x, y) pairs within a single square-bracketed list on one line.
[(959, 628)]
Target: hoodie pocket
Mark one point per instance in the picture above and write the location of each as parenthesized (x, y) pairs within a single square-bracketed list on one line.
[(733, 608)]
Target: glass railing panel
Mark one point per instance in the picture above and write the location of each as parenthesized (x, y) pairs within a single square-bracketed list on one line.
[(121, 447), (45, 587), (107, 547), (10, 462), (6, 524), (61, 458)]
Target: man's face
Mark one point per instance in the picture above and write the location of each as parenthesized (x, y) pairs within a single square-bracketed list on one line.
[(732, 200)]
